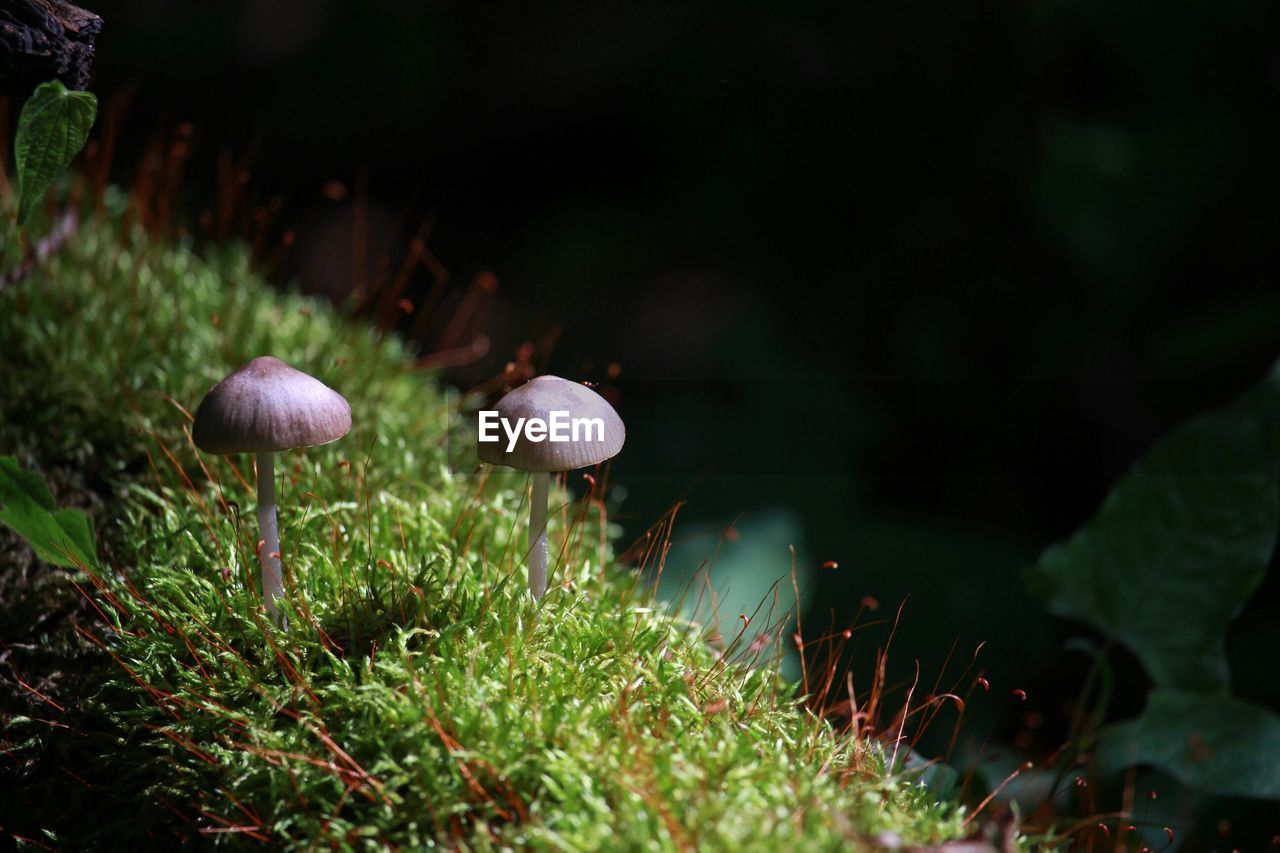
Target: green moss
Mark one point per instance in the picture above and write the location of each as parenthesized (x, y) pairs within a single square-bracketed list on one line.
[(421, 697)]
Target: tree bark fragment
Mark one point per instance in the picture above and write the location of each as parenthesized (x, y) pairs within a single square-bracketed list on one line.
[(45, 40)]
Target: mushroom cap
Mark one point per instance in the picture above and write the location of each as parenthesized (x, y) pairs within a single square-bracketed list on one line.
[(267, 406), (537, 398)]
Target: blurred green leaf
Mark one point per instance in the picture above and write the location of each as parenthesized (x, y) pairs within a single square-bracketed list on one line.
[(746, 567), (1221, 745), (61, 536), (1179, 544), (717, 573), (942, 780), (1001, 770), (52, 129)]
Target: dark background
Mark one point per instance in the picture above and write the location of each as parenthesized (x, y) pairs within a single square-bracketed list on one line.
[(921, 279)]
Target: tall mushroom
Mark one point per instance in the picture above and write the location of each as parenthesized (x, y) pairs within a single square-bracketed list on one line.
[(264, 407), (548, 424)]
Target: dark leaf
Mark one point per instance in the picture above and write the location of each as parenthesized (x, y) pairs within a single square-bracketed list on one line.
[(1179, 544), (1223, 746)]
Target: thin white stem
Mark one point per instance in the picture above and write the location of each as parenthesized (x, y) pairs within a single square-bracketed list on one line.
[(272, 575), (538, 534)]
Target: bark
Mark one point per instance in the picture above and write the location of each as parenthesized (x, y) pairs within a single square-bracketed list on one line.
[(45, 40)]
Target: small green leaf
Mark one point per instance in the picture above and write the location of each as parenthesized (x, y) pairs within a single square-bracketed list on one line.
[(1223, 746), (1179, 545), (52, 129), (60, 536)]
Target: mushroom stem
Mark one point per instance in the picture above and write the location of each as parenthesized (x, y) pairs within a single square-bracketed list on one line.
[(538, 534), (272, 582)]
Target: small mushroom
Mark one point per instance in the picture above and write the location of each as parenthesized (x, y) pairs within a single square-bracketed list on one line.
[(264, 407), (529, 422)]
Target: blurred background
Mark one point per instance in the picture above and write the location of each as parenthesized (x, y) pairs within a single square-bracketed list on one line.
[(906, 286)]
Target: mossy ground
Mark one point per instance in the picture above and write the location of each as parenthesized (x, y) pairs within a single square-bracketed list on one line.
[(420, 696)]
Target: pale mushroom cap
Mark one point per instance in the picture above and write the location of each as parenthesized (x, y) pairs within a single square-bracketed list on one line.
[(538, 398), (267, 406)]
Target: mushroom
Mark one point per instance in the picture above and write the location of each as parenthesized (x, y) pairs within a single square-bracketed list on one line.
[(264, 407), (548, 424)]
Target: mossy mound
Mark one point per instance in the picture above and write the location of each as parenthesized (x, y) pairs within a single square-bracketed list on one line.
[(420, 697)]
